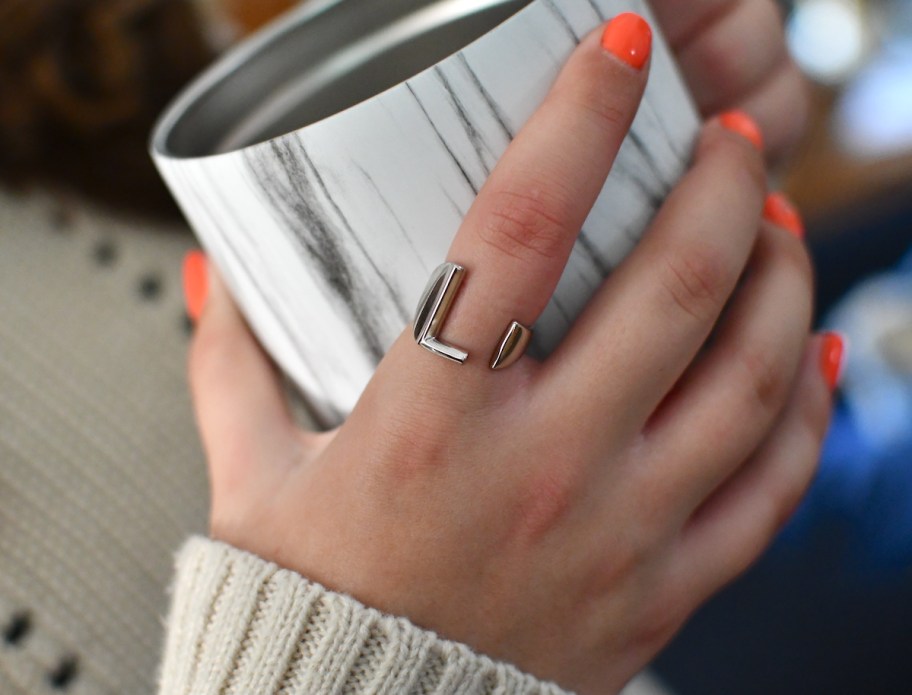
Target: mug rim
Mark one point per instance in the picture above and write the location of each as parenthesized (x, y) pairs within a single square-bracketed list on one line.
[(182, 119)]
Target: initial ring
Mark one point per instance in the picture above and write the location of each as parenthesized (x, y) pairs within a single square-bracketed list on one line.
[(432, 311)]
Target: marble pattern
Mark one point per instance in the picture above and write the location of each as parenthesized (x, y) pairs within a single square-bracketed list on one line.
[(327, 235)]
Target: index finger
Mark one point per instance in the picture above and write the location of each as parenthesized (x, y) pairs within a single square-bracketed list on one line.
[(518, 235)]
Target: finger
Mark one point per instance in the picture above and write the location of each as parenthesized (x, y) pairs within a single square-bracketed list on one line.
[(517, 237), (729, 399), (652, 315), (778, 101), (240, 408), (731, 530), (781, 106), (732, 54), (680, 28)]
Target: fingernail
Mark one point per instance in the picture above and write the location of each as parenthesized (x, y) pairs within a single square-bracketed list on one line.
[(196, 283), (628, 37), (832, 358), (779, 210), (742, 124)]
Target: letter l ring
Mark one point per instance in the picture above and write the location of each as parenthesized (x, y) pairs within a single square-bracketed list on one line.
[(432, 311)]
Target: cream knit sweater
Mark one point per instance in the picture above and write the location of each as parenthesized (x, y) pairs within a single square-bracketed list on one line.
[(239, 624), (102, 477)]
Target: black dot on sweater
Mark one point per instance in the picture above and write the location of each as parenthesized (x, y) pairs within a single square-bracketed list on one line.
[(187, 325), (64, 674), (105, 252), (17, 628), (150, 287), (62, 218)]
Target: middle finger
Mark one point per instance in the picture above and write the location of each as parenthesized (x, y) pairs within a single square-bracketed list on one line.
[(652, 315)]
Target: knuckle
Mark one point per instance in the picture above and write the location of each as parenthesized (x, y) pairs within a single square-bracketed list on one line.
[(767, 17), (549, 497), (715, 58), (784, 129), (796, 478), (765, 380), (751, 168), (783, 507), (623, 556), (797, 256), (755, 537), (752, 545), (661, 619), (527, 223), (404, 452), (549, 491), (798, 96), (736, 60), (696, 282), (778, 498), (792, 263), (799, 259), (639, 545), (779, 503)]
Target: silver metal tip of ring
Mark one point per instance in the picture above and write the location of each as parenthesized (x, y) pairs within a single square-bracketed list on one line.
[(512, 346)]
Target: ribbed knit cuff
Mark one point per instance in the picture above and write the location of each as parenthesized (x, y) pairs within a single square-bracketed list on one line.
[(239, 624)]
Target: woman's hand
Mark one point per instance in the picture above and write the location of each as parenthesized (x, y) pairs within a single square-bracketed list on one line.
[(733, 55), (565, 516)]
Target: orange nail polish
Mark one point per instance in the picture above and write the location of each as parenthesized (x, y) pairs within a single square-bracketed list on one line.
[(780, 211), (196, 283), (739, 122), (629, 38), (832, 358)]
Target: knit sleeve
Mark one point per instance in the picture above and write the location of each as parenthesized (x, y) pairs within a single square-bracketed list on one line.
[(239, 624)]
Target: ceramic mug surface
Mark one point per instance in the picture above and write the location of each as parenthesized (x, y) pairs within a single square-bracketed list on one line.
[(327, 163)]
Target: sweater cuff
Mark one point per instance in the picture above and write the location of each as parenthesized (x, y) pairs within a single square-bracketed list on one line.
[(239, 624)]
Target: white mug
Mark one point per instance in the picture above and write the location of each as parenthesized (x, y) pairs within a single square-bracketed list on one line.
[(327, 162)]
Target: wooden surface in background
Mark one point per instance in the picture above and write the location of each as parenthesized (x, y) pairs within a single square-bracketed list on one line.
[(827, 183), (249, 15)]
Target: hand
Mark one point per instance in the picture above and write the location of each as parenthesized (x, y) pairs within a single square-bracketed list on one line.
[(733, 55), (564, 516)]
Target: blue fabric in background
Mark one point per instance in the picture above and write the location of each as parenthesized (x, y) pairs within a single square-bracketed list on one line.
[(864, 483)]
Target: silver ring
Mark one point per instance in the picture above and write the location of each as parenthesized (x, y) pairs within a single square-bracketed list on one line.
[(432, 311), (512, 346)]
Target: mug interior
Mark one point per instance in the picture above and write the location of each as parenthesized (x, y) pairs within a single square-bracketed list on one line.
[(316, 64)]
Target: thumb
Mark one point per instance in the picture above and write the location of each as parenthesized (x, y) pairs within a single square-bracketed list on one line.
[(244, 420)]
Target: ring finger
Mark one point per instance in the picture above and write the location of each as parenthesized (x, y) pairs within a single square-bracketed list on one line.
[(727, 402)]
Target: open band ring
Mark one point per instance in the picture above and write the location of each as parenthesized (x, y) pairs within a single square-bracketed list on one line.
[(432, 311)]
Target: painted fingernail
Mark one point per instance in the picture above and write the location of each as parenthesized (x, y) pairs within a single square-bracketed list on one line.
[(832, 358), (742, 124), (779, 210), (196, 283), (628, 37)]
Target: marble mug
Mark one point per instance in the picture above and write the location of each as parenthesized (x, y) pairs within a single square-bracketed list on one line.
[(327, 162)]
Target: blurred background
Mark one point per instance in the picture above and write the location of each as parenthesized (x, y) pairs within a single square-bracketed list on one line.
[(829, 609)]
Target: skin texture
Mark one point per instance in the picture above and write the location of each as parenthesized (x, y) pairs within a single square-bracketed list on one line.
[(732, 54), (564, 516)]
